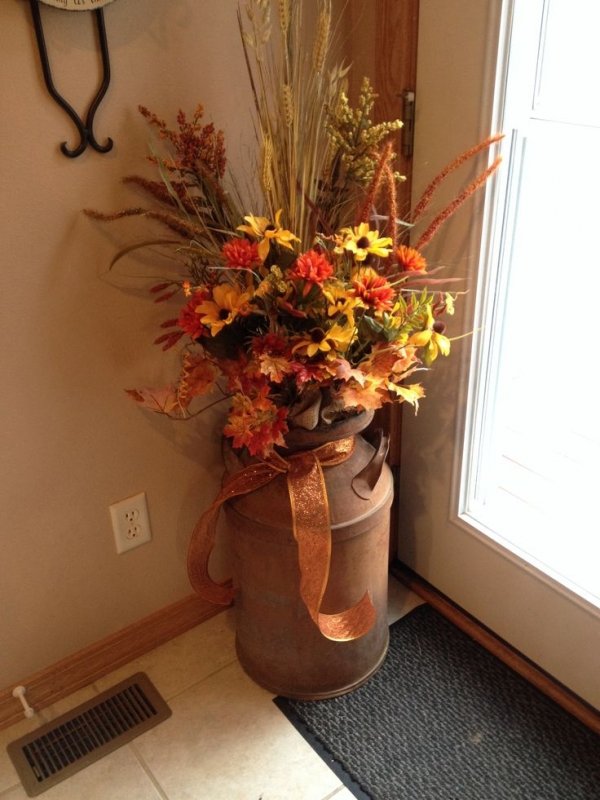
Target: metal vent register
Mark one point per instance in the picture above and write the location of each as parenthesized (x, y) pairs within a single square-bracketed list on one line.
[(75, 740)]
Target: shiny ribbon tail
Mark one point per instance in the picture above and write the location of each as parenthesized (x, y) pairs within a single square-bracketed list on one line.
[(310, 515), (311, 526), (203, 535), (350, 624)]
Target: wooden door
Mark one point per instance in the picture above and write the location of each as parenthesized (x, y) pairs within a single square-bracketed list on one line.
[(381, 43)]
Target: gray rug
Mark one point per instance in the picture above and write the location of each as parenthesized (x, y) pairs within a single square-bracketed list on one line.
[(443, 719)]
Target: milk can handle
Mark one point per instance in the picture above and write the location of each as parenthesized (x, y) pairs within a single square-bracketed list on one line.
[(365, 481)]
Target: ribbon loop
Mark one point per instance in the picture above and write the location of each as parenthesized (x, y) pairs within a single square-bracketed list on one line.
[(311, 528)]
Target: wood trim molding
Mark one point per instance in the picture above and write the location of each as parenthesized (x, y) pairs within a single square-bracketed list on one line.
[(544, 682), (84, 667)]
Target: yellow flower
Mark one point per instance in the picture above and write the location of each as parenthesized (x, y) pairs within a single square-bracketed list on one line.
[(341, 336), (361, 241), (431, 339), (266, 231), (340, 302), (228, 302), (337, 338)]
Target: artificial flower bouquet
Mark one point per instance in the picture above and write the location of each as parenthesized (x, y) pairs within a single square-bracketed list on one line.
[(305, 304), (302, 336)]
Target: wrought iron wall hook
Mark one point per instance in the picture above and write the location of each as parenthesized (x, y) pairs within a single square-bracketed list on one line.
[(85, 130)]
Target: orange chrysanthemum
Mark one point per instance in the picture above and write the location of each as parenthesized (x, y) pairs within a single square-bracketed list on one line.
[(313, 267), (373, 289), (409, 259), (241, 254)]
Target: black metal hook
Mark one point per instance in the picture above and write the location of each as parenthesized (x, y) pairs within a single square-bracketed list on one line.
[(86, 132)]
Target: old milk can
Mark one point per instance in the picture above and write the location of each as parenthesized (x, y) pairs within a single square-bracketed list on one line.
[(278, 643)]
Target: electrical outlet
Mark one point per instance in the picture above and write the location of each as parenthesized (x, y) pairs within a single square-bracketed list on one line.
[(130, 521)]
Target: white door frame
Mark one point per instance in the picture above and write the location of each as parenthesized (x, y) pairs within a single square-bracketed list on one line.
[(455, 77)]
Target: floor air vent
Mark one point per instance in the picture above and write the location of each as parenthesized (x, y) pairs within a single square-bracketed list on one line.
[(75, 740)]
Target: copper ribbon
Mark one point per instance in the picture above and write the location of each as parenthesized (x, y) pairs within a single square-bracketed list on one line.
[(310, 520)]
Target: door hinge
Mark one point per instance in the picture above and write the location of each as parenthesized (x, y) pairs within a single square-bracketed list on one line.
[(408, 118)]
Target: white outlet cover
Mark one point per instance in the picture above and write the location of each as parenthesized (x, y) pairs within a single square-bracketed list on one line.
[(130, 522)]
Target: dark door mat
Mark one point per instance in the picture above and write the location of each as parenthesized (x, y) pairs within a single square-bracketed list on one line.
[(444, 719), (58, 749)]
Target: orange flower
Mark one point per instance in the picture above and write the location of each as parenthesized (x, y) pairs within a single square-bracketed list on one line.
[(312, 267), (373, 289), (410, 260), (241, 254), (188, 320)]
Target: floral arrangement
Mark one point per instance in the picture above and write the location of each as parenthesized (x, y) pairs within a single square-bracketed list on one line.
[(308, 305)]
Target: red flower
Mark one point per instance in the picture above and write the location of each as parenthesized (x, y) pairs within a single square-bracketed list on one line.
[(241, 254), (312, 267), (410, 260), (188, 320), (373, 289), (270, 343)]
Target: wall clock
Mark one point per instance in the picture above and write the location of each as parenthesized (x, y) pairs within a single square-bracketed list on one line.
[(84, 128), (77, 5)]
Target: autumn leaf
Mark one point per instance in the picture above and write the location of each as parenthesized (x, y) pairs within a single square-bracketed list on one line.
[(367, 396), (412, 394), (163, 401)]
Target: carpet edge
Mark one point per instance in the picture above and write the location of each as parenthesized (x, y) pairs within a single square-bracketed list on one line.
[(284, 705)]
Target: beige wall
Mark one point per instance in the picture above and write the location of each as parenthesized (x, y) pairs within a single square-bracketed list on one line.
[(71, 340)]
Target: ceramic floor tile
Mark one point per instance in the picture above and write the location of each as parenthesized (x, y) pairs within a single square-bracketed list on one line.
[(341, 794), (184, 660), (16, 793), (400, 600), (227, 740), (118, 776)]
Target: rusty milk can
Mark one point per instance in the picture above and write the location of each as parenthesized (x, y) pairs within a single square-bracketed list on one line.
[(278, 644)]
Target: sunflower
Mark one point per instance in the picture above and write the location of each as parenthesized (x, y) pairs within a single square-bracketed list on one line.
[(361, 241), (265, 231), (228, 302), (431, 339), (338, 338), (340, 301)]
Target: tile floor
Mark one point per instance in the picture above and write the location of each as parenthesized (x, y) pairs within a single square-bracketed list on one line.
[(226, 740)]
